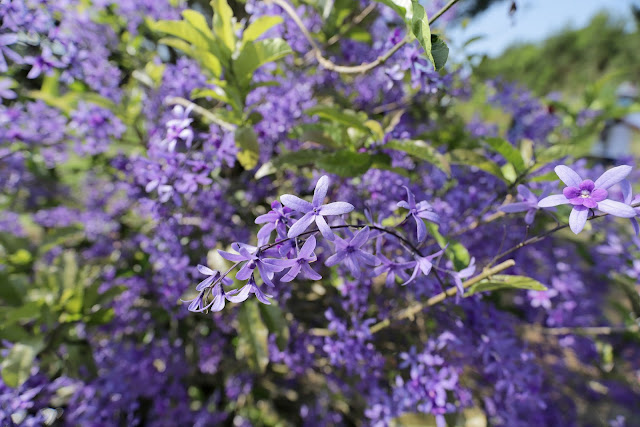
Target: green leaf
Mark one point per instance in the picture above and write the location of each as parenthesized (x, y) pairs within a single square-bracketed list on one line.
[(439, 51), (207, 59), (257, 53), (420, 28), (345, 117), (346, 163), (276, 323), (252, 337), (505, 281), (466, 157), (456, 251), (509, 152), (298, 158), (183, 30), (16, 368), (223, 24), (397, 6), (247, 142), (258, 27), (422, 151), (210, 93)]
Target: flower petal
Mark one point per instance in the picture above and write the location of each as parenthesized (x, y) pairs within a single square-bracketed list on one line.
[(301, 225), (324, 228), (240, 296), (568, 176), (245, 272), (616, 209), (429, 216), (322, 186), (599, 194), (525, 193), (555, 200), (627, 191), (308, 247), (336, 208), (360, 238), (205, 270), (612, 176), (368, 258), (577, 219), (571, 192), (421, 229), (231, 257), (410, 198), (309, 273), (296, 203), (530, 216), (636, 228), (587, 184), (292, 273), (335, 258), (515, 207), (590, 203)]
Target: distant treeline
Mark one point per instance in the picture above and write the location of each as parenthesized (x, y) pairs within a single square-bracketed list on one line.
[(572, 58)]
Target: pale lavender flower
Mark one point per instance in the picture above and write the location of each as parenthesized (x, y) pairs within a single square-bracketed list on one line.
[(627, 193), (529, 203), (218, 294), (5, 89), (301, 262), (250, 288), (253, 259), (315, 211), (424, 265), (179, 128), (278, 218), (586, 194), (418, 211), (463, 274), (542, 298), (7, 40), (43, 63), (393, 269), (350, 253)]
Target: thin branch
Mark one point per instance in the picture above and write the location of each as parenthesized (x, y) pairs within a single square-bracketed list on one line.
[(590, 330), (436, 299), (362, 68), (540, 237)]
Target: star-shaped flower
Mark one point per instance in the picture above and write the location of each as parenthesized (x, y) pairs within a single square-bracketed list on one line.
[(315, 211), (419, 211), (349, 252), (586, 194)]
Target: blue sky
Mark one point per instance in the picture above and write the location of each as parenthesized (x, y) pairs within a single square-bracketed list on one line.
[(534, 21)]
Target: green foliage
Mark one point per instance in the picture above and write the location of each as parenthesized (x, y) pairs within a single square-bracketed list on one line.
[(417, 21), (572, 59), (252, 339)]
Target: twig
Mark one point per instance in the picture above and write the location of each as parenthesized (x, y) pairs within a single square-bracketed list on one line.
[(414, 309), (540, 237), (362, 68), (590, 330)]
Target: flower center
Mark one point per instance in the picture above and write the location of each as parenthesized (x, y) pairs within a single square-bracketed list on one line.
[(585, 193)]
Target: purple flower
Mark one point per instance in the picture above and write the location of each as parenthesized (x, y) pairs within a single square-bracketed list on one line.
[(253, 259), (250, 288), (5, 89), (7, 40), (465, 273), (393, 269), (529, 203), (419, 211), (627, 193), (350, 253), (315, 211), (218, 294), (301, 262), (178, 128), (42, 63), (278, 218), (424, 265), (586, 194)]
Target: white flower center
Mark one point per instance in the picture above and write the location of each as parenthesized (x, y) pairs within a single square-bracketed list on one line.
[(585, 193)]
